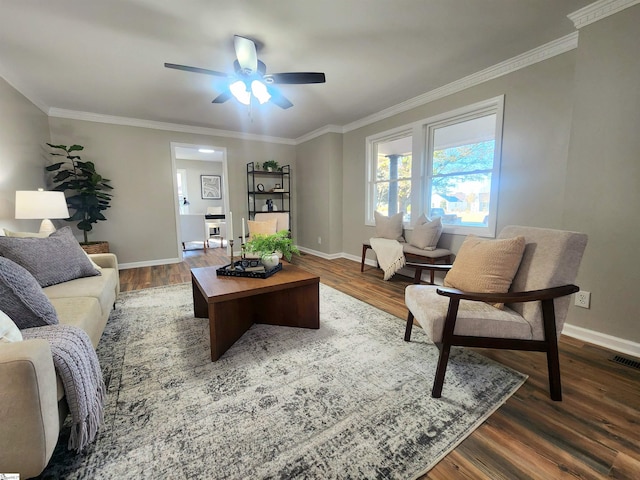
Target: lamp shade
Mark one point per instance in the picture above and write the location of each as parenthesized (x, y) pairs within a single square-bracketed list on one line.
[(41, 204)]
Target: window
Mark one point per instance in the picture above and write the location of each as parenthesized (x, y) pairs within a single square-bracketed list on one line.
[(457, 177), (390, 185)]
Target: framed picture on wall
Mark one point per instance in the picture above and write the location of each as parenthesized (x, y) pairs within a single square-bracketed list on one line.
[(211, 187)]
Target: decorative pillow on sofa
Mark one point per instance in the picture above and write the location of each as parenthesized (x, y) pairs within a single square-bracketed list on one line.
[(55, 259), (22, 299), (9, 331), (426, 233), (389, 227), (267, 227), (9, 233), (486, 266)]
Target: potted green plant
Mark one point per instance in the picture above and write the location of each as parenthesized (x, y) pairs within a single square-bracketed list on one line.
[(88, 192), (268, 245), (270, 166)]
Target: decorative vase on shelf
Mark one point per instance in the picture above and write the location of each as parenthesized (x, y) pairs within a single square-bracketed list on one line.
[(270, 260)]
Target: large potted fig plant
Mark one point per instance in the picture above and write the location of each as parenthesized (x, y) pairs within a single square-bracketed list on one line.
[(86, 190)]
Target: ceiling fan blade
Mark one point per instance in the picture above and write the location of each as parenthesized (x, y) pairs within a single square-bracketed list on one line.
[(279, 99), (195, 70), (246, 53), (295, 78), (223, 97)]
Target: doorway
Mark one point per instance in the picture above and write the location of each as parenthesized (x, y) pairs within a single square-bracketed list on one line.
[(200, 182)]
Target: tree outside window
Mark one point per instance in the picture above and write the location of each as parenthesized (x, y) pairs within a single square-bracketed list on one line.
[(392, 184)]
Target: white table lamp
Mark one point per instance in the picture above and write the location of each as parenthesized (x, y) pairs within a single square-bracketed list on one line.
[(40, 204)]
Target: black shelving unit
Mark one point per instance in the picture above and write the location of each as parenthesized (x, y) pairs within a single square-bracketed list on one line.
[(260, 188)]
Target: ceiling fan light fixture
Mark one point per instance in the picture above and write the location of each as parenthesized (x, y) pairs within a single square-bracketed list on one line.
[(240, 92), (260, 91)]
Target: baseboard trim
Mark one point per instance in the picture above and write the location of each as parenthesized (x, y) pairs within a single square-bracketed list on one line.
[(326, 256), (355, 258), (148, 263), (602, 339)]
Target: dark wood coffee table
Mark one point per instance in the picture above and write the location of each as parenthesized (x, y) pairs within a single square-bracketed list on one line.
[(290, 297)]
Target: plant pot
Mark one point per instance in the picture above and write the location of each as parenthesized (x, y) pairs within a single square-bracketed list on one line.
[(95, 247), (270, 260)]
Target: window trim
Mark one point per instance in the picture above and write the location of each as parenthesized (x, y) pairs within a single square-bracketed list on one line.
[(371, 164), (422, 155)]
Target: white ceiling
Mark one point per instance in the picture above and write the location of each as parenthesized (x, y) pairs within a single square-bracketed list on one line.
[(106, 56)]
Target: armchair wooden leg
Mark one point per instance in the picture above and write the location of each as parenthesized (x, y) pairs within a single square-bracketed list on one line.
[(438, 382), (553, 358), (555, 386), (445, 346), (407, 331)]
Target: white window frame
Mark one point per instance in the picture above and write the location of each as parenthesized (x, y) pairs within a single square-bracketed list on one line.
[(422, 132), (372, 162)]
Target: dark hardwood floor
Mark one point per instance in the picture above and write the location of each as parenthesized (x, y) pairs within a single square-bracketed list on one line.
[(593, 433)]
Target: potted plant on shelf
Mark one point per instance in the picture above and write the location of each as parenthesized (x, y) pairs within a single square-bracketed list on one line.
[(270, 166), (270, 247), (89, 191)]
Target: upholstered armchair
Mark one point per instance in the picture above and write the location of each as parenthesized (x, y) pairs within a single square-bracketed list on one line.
[(535, 305)]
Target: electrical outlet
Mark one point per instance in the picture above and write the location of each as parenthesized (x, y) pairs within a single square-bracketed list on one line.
[(583, 299), (319, 240)]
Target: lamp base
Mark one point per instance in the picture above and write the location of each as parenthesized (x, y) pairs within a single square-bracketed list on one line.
[(47, 227)]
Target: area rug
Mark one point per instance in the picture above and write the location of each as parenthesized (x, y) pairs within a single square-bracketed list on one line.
[(350, 400)]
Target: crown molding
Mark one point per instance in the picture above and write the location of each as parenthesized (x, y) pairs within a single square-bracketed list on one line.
[(599, 10), (173, 127), (544, 52), (319, 132)]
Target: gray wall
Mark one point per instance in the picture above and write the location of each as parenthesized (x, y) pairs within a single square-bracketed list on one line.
[(603, 177), (141, 225), (23, 133), (319, 177)]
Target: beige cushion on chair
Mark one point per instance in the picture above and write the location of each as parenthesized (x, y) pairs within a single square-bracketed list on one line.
[(262, 228), (474, 318), (282, 219), (486, 266), (551, 259)]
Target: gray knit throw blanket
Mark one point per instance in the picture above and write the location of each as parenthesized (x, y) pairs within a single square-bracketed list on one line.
[(76, 362)]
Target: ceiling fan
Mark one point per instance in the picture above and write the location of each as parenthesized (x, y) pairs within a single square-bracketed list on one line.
[(250, 77)]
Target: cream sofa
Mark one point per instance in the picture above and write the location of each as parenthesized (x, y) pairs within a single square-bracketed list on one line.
[(32, 403)]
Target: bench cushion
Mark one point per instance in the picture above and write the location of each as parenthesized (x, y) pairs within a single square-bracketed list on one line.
[(437, 253)]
